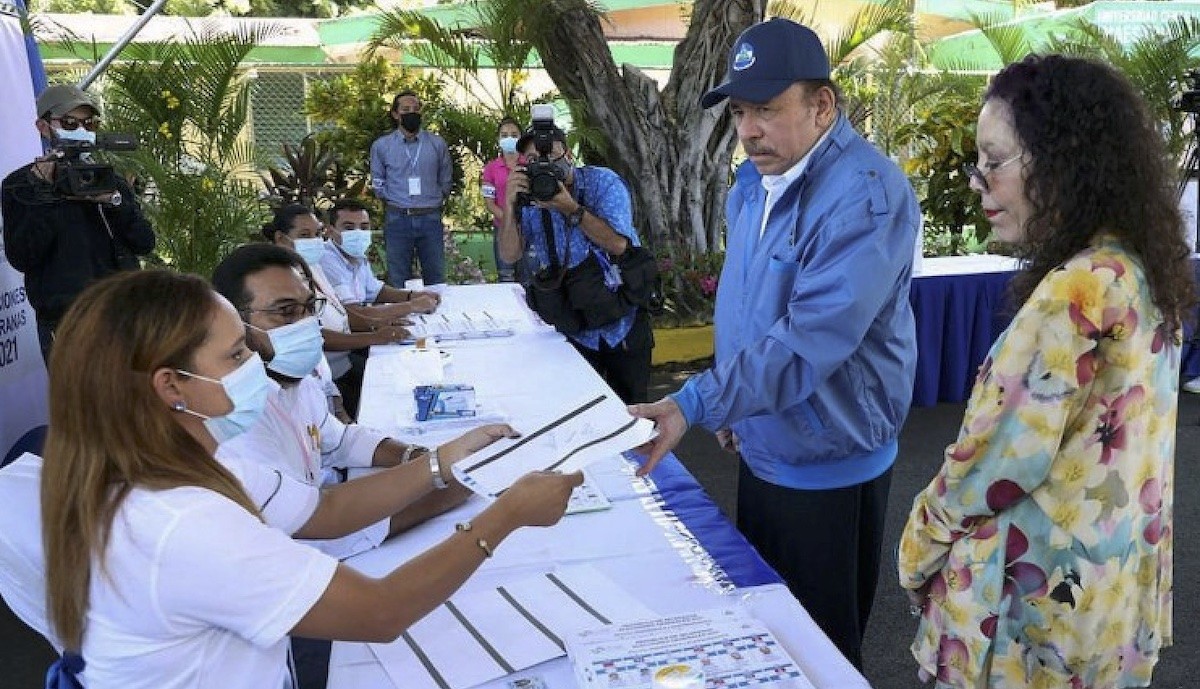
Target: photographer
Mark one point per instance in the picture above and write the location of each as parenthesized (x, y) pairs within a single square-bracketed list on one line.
[(60, 239), (576, 224)]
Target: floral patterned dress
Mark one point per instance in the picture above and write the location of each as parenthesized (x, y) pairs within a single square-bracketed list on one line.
[(1045, 538)]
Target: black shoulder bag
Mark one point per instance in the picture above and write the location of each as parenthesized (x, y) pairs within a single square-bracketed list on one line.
[(577, 298)]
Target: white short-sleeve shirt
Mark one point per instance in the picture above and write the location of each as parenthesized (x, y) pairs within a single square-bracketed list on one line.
[(351, 278), (297, 436), (197, 592), (22, 560)]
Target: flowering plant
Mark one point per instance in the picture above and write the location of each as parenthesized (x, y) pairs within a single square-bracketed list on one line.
[(689, 280), (461, 269)]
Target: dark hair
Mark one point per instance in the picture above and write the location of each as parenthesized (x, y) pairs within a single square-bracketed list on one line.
[(402, 94), (229, 277), (508, 120), (284, 217), (811, 86), (349, 205), (1098, 165), (527, 138)]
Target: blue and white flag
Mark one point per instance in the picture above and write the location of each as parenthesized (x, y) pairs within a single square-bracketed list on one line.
[(23, 383)]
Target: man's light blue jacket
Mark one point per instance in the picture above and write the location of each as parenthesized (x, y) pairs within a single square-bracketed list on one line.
[(815, 343)]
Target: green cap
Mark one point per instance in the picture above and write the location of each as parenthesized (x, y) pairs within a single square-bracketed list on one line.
[(61, 99)]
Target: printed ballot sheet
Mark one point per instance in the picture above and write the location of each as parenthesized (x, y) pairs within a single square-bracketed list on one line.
[(464, 325), (480, 636), (582, 433), (731, 649)]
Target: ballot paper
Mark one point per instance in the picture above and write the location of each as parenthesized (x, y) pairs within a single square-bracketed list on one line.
[(462, 325), (730, 648), (484, 635), (576, 436)]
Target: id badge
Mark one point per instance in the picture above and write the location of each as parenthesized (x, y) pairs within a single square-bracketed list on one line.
[(414, 186)]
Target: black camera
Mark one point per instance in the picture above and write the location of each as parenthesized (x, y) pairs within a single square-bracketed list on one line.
[(544, 176), (1189, 100), (77, 174)]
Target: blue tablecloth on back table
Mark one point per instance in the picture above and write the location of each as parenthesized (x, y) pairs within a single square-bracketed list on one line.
[(960, 315)]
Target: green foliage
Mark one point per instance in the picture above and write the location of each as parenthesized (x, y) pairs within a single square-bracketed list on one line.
[(940, 139), (188, 103), (312, 176), (351, 110)]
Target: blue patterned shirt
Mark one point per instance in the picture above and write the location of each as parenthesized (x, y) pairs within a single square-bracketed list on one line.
[(605, 196)]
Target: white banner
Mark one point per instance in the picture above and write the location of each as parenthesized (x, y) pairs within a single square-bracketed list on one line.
[(23, 384)]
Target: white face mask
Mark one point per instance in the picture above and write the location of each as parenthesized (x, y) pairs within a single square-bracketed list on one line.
[(508, 144), (77, 134), (356, 242), (311, 249)]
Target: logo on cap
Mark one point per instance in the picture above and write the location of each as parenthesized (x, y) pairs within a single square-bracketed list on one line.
[(744, 57)]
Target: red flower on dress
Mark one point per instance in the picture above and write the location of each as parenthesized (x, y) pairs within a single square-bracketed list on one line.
[(1111, 430)]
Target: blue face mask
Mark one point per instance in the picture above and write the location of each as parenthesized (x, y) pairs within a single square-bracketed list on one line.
[(508, 144), (248, 388), (356, 242), (311, 249), (298, 347)]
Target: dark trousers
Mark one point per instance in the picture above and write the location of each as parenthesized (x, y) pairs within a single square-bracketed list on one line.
[(46, 340), (625, 367), (311, 657), (825, 544), (350, 384), (407, 235)]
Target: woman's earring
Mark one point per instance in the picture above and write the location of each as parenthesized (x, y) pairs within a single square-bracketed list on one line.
[(179, 406)]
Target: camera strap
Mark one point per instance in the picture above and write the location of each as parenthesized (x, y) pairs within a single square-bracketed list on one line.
[(556, 267)]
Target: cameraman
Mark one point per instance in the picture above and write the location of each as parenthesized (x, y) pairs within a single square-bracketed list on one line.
[(63, 243), (591, 213)]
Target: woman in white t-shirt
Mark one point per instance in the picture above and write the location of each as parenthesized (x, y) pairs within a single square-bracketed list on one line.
[(160, 570)]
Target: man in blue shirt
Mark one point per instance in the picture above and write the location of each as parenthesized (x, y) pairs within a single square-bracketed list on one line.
[(815, 340), (411, 172), (591, 215)]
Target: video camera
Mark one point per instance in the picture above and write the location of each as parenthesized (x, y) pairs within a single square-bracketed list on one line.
[(544, 176), (1189, 100), (77, 174)]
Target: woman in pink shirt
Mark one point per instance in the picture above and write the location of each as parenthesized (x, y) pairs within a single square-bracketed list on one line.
[(495, 177)]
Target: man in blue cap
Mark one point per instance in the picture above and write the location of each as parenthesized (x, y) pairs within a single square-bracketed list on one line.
[(815, 342)]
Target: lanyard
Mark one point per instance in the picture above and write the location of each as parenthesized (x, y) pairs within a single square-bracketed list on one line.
[(413, 158)]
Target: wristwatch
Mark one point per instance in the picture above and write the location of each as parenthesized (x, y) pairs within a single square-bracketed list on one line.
[(576, 216)]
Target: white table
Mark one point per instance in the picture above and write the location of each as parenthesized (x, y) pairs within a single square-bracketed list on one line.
[(638, 543)]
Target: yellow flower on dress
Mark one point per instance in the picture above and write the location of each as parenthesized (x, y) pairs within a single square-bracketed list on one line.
[(1084, 290), (170, 98), (165, 130)]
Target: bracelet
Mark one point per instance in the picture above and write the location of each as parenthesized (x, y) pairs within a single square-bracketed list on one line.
[(435, 469), (411, 451), (483, 544)]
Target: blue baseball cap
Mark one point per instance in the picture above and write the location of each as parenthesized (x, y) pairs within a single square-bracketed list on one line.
[(767, 58)]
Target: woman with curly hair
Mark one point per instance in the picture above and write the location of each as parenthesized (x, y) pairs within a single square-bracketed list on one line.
[(1040, 554)]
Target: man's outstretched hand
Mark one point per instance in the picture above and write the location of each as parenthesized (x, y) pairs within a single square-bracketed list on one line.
[(671, 425)]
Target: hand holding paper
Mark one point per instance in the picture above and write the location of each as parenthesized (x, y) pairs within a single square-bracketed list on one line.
[(584, 432)]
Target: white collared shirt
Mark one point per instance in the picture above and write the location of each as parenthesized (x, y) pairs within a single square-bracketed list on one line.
[(776, 184)]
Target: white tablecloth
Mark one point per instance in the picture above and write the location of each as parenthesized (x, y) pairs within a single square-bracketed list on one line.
[(634, 543)]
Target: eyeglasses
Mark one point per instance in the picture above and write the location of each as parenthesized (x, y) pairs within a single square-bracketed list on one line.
[(973, 172), (295, 311), (70, 123)]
